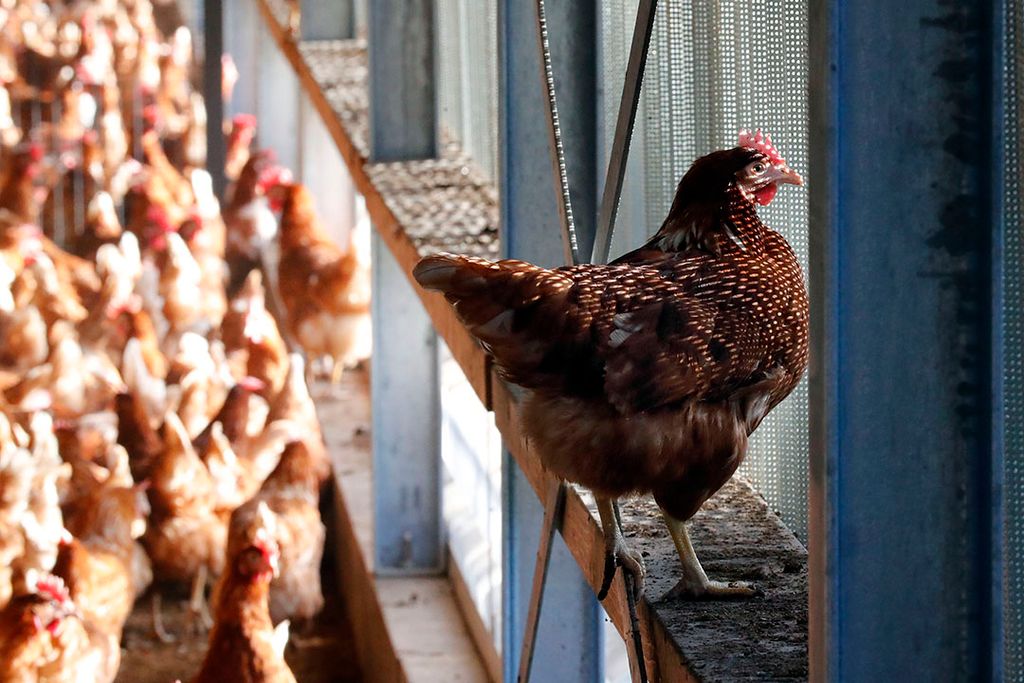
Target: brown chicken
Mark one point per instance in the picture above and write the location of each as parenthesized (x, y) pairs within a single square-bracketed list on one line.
[(292, 492), (136, 435), (97, 563), (185, 538), (251, 224), (648, 375), (244, 645), (44, 638), (325, 292)]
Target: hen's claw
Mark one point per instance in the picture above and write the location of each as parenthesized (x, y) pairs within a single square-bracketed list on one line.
[(618, 554), (713, 590), (158, 622)]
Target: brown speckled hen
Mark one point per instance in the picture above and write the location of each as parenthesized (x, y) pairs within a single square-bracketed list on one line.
[(648, 375)]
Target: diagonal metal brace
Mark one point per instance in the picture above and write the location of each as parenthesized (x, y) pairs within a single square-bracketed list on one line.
[(555, 500), (624, 129)]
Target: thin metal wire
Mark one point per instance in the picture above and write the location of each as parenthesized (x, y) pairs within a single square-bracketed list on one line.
[(625, 121), (568, 224)]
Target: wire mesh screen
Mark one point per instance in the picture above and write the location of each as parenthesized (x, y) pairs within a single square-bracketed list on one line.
[(1013, 331), (467, 76), (716, 66)]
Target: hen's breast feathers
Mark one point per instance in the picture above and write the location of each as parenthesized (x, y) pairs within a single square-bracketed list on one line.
[(651, 330)]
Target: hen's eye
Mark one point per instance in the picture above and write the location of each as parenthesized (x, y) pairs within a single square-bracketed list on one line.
[(758, 168)]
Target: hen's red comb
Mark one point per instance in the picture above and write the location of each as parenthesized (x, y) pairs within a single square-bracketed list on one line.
[(762, 143), (252, 384), (273, 176), (53, 587), (243, 121)]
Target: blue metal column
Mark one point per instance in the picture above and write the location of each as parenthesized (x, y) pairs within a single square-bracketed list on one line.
[(241, 41), (902, 273), (402, 100), (406, 402), (569, 642), (277, 103), (213, 47), (327, 19)]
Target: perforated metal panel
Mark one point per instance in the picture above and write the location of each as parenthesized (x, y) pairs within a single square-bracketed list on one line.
[(716, 66), (1013, 336), (467, 76)]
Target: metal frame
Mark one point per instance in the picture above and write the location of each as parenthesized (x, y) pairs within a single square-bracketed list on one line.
[(213, 44), (530, 205), (902, 293), (327, 20), (402, 99), (409, 533)]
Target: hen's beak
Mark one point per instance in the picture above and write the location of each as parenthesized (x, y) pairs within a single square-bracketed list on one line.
[(782, 173)]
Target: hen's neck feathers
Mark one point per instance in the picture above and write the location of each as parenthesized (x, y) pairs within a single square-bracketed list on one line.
[(725, 222)]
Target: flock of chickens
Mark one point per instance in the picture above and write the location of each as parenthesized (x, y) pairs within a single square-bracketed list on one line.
[(154, 427)]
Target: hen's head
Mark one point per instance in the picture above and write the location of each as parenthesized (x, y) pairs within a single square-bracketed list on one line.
[(721, 183), (759, 178), (258, 558), (47, 601)]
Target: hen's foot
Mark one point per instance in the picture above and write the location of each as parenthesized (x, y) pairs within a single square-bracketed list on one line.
[(707, 589), (617, 553), (158, 621), (632, 563)]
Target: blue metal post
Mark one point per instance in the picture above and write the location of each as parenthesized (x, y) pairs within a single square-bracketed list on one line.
[(325, 173), (402, 100), (406, 402), (277, 103), (241, 41), (327, 19), (569, 644), (213, 47), (902, 286), (408, 536)]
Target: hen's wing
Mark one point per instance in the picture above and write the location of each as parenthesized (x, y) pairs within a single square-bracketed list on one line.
[(644, 336)]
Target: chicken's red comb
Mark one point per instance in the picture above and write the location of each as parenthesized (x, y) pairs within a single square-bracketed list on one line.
[(243, 121), (251, 383), (158, 216), (151, 115), (35, 151), (273, 176), (762, 143), (53, 587)]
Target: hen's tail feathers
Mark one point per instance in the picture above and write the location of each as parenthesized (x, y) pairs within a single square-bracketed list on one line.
[(519, 311)]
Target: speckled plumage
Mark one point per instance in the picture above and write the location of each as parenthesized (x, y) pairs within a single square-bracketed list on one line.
[(648, 374)]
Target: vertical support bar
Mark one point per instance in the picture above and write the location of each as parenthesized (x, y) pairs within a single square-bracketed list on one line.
[(901, 281), (569, 644), (402, 100), (242, 43), (324, 172), (213, 48), (277, 106), (406, 400), (328, 19), (408, 536)]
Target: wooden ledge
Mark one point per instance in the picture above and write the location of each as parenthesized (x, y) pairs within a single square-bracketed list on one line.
[(736, 534)]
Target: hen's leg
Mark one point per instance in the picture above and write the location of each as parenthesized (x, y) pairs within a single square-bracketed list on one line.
[(197, 609), (616, 552), (695, 583), (158, 619)]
